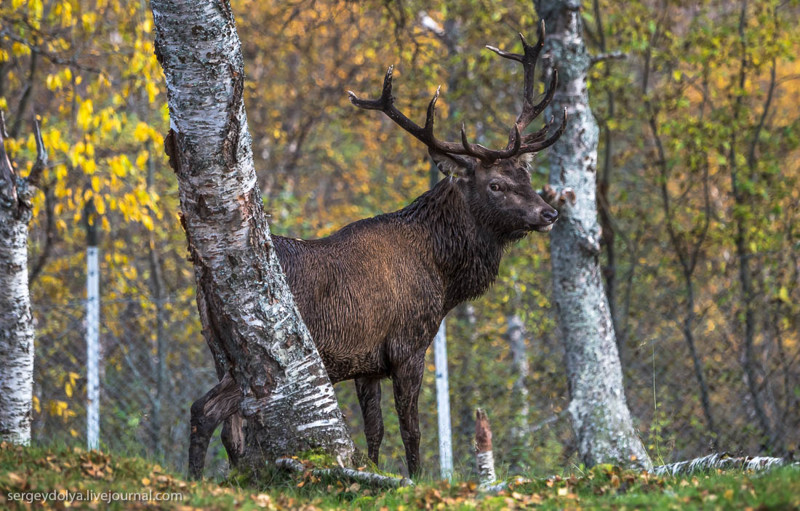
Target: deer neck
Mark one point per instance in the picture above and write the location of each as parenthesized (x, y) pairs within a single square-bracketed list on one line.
[(467, 255)]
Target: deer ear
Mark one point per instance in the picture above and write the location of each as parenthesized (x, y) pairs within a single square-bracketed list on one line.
[(452, 164), (526, 158)]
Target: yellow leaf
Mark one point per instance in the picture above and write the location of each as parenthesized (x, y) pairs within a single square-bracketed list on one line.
[(99, 205), (152, 91), (783, 295), (142, 132), (95, 183), (68, 390), (84, 117), (19, 49), (88, 20), (141, 159), (147, 222)]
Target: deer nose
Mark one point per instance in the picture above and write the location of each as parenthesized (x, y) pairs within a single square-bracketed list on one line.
[(550, 215)]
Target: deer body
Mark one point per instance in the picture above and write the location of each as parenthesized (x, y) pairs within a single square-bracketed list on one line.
[(358, 288), (373, 294)]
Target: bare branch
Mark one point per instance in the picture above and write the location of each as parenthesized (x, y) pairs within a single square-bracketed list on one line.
[(8, 178), (35, 177), (602, 57)]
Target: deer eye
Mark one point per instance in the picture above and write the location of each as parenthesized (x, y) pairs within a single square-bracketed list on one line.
[(494, 187)]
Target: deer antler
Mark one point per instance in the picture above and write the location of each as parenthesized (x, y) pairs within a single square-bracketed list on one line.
[(536, 141), (517, 144)]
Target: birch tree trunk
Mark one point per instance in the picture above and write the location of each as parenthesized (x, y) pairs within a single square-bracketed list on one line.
[(600, 416), (16, 320), (520, 428), (261, 347)]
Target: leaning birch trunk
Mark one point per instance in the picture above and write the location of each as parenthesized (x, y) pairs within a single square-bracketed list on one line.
[(600, 416), (16, 320), (271, 373)]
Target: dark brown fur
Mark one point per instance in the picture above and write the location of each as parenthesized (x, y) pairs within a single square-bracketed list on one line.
[(373, 293)]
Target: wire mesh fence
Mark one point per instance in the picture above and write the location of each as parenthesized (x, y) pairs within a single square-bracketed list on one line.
[(146, 386), (154, 364)]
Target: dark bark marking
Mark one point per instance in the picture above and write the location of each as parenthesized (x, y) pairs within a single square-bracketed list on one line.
[(230, 144), (483, 433)]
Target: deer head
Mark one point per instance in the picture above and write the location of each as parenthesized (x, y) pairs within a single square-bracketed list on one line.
[(495, 183)]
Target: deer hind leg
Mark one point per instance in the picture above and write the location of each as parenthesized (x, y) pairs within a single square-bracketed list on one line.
[(208, 412), (369, 397), (232, 437), (406, 381)]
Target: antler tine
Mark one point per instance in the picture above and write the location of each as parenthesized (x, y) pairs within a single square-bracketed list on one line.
[(504, 54), (424, 134), (431, 113), (534, 110), (489, 155), (535, 146), (528, 58), (382, 103)]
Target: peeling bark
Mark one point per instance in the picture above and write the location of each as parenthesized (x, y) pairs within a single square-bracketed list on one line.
[(722, 461), (600, 415), (250, 320), (483, 448)]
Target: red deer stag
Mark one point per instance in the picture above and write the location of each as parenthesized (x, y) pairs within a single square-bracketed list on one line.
[(373, 293)]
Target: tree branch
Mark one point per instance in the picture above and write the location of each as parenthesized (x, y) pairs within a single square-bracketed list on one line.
[(341, 473), (602, 57)]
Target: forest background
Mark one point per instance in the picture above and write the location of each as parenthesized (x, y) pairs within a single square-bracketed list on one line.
[(697, 191)]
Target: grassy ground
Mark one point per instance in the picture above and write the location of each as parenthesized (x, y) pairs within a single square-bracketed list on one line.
[(99, 480)]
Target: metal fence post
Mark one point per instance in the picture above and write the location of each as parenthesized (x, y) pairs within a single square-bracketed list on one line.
[(443, 403), (92, 332)]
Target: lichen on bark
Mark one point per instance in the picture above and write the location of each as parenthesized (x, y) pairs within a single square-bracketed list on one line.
[(600, 415)]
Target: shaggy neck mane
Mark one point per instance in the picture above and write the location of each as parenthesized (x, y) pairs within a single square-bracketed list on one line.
[(467, 255)]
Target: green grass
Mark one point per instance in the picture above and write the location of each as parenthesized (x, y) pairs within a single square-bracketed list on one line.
[(28, 470)]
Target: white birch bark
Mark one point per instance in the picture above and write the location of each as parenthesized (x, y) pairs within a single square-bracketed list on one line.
[(16, 320), (16, 325), (600, 416), (249, 316)]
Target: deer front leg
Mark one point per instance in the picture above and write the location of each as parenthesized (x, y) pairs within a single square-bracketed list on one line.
[(217, 405), (406, 381), (369, 397)]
